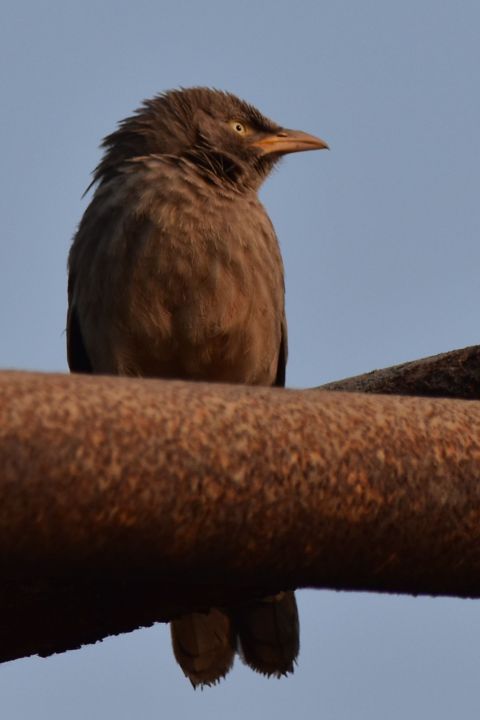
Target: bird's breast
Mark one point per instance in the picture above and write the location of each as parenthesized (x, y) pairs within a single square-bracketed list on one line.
[(192, 281)]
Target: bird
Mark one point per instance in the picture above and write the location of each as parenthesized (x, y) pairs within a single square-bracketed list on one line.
[(175, 272)]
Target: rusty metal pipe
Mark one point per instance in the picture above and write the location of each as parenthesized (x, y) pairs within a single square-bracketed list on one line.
[(229, 491), (133, 477), (454, 374)]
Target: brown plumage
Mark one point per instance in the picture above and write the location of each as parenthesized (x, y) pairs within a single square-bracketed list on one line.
[(175, 272)]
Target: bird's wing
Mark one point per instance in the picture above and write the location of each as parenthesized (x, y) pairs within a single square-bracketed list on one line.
[(78, 360), (282, 357)]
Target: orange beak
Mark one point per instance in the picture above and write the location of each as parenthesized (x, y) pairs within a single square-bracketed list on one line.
[(289, 141)]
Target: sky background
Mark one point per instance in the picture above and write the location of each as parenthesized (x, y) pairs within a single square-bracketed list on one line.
[(380, 239)]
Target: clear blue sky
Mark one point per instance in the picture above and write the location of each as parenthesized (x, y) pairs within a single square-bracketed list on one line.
[(381, 245)]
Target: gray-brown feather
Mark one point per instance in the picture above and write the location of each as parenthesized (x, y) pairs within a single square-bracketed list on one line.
[(204, 645)]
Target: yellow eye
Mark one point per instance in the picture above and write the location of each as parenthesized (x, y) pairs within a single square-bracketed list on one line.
[(238, 127)]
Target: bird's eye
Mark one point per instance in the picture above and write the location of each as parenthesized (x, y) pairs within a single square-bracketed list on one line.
[(238, 127)]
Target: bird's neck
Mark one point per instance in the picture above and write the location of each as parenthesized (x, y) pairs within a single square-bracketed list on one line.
[(222, 168)]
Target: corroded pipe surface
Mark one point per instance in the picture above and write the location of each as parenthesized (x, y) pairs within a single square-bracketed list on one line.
[(206, 493), (229, 484), (454, 374)]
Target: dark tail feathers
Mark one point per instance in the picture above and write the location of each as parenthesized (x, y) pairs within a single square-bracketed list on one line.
[(265, 633)]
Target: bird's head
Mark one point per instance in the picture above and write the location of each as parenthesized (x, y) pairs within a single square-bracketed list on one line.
[(221, 134)]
